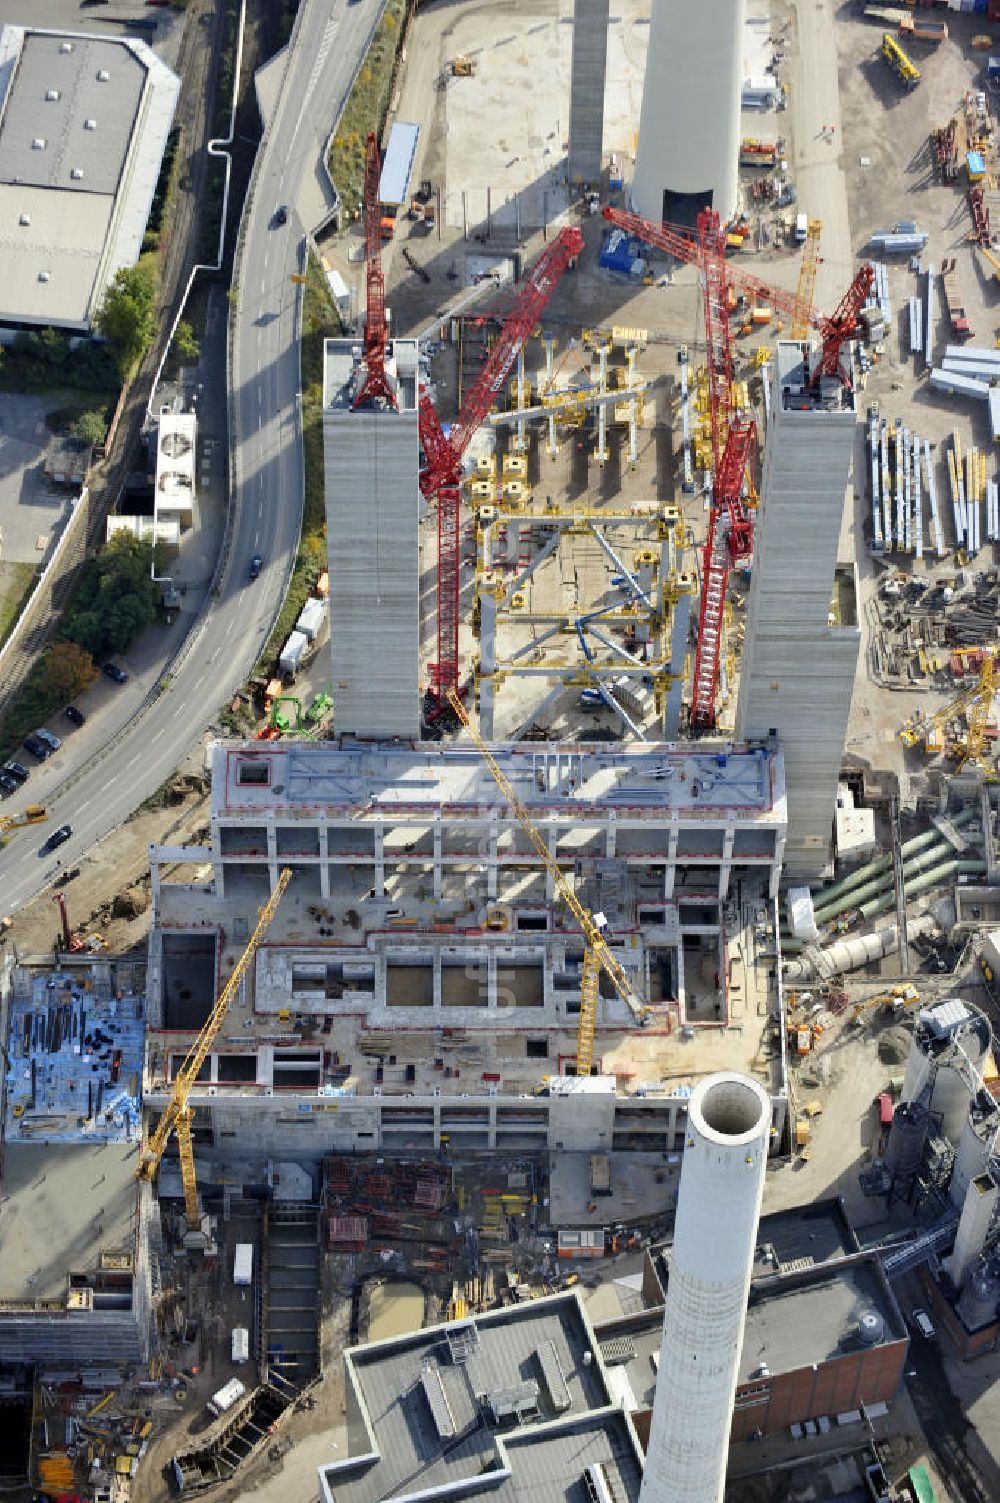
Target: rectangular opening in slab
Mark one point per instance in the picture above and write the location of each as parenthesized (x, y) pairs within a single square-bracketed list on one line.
[(662, 974), (409, 985), (236, 1069), (520, 985), (189, 971), (464, 984)]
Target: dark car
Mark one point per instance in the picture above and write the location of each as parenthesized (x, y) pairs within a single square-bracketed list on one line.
[(114, 672), (16, 770), (8, 785), (256, 564), (36, 746), (57, 838), (77, 716), (280, 215)]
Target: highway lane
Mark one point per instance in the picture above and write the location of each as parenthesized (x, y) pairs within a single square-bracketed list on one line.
[(328, 45)]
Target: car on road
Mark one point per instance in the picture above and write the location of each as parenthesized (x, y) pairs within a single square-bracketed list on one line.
[(280, 216), (36, 746), (256, 564), (117, 674), (56, 839), (76, 716), (923, 1323), (16, 770)]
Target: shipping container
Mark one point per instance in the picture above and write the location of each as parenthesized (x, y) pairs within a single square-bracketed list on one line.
[(292, 653), (241, 1344), (884, 1104), (243, 1263), (226, 1397), (600, 1174)]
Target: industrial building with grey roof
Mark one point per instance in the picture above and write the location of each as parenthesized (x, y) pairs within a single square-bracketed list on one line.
[(514, 1404), (84, 122)]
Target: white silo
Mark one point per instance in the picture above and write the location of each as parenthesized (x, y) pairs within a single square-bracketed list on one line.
[(973, 1227), (980, 1131), (689, 124), (718, 1208)]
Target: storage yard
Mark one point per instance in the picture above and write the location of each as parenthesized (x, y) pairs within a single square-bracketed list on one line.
[(648, 834)]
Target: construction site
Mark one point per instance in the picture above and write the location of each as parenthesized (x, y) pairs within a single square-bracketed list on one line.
[(624, 921)]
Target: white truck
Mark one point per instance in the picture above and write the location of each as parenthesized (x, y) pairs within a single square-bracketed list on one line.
[(241, 1345), (225, 1398), (243, 1263)]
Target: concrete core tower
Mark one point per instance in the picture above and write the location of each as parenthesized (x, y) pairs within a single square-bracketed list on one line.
[(718, 1208), (689, 123)]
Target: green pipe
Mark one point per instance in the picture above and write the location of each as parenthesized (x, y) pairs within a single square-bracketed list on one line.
[(935, 878), (915, 864), (884, 863)]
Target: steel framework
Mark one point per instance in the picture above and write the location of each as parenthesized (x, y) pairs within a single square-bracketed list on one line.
[(376, 383), (443, 452)]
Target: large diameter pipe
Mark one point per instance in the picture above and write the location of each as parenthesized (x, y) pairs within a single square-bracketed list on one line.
[(935, 878), (718, 1208), (930, 857), (859, 950), (884, 863)]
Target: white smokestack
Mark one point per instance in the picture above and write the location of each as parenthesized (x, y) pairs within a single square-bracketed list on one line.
[(718, 1208)]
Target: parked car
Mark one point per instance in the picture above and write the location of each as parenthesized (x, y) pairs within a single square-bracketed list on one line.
[(923, 1323), (117, 674), (256, 564), (8, 785), (76, 716), (36, 746), (16, 770), (52, 742), (56, 839)]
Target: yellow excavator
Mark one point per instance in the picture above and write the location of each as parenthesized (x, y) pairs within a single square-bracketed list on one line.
[(597, 954), (177, 1116)]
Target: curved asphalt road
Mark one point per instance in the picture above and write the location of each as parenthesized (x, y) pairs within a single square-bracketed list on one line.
[(330, 40)]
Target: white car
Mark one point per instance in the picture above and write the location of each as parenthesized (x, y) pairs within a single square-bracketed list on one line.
[(923, 1323)]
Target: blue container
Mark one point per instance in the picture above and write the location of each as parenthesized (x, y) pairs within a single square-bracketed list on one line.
[(617, 253)]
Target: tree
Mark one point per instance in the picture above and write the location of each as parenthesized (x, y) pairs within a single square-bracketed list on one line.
[(68, 669), (127, 317), (116, 599), (186, 345), (91, 426)]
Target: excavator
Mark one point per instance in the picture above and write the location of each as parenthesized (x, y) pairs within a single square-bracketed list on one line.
[(597, 955)]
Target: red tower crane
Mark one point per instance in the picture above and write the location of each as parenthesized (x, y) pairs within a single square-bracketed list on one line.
[(730, 529), (376, 382), (443, 452)]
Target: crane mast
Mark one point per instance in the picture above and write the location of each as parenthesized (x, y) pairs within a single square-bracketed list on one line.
[(597, 955), (376, 383), (177, 1116), (442, 475)]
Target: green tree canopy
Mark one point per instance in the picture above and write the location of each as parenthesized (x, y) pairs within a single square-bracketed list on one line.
[(116, 599), (127, 316), (91, 426), (186, 344)]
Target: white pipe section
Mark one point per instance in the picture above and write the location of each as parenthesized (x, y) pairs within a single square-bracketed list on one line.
[(718, 1208), (973, 1227)]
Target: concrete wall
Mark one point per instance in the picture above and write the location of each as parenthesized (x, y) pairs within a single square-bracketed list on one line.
[(798, 670), (586, 90), (371, 512)]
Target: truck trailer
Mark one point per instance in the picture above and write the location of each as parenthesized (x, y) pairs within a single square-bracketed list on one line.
[(243, 1264), (225, 1398)]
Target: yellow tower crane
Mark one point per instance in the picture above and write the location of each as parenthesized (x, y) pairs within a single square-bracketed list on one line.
[(597, 954), (177, 1117), (806, 288), (975, 703)]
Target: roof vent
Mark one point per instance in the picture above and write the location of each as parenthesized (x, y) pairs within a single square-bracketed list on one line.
[(38, 144), (45, 276), (52, 95), (24, 219), (90, 125), (65, 46), (76, 173), (103, 76)]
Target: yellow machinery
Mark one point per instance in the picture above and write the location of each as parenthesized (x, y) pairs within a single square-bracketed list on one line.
[(974, 703), (899, 999), (597, 955), (994, 260), (806, 289), (33, 814), (177, 1117), (462, 66)]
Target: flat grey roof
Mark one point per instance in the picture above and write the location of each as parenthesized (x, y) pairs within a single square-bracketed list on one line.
[(60, 84), (645, 780), (397, 163), (83, 125), (424, 1399)]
